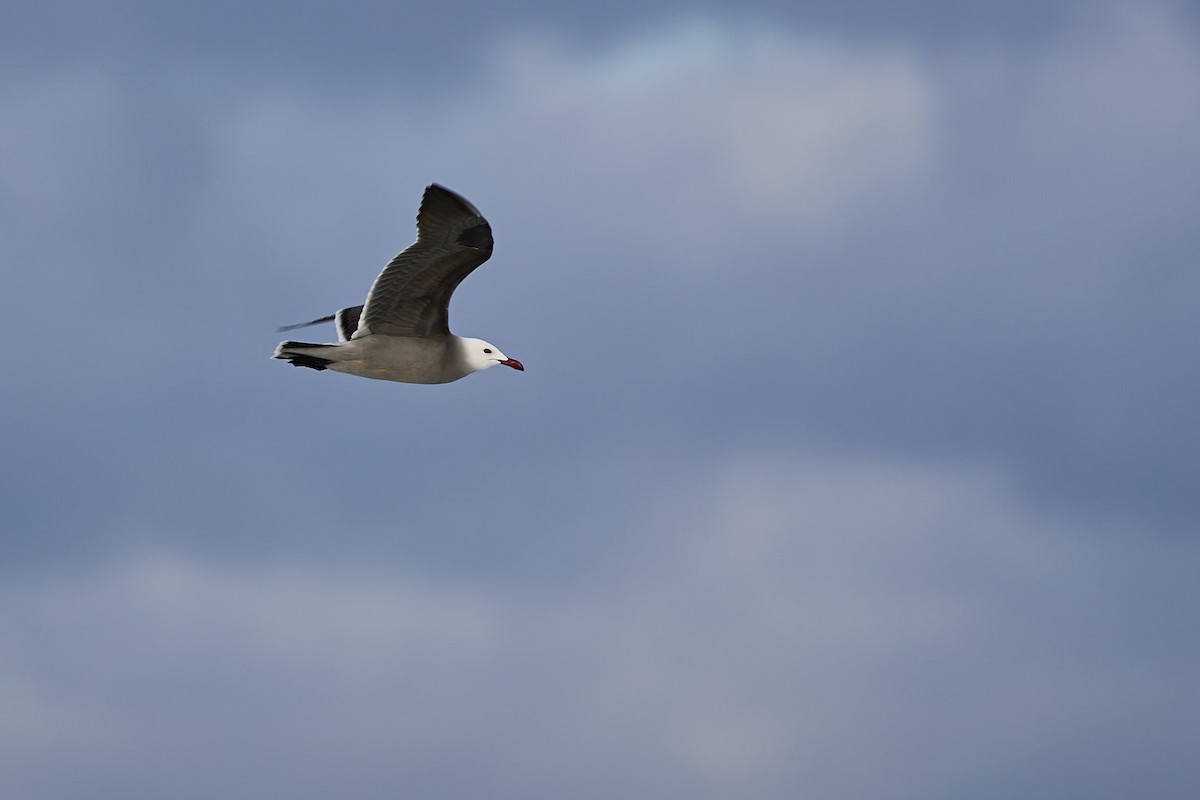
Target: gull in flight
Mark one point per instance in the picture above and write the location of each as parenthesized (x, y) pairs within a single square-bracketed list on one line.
[(402, 331)]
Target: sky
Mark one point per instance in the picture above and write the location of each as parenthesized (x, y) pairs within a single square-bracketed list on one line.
[(857, 453)]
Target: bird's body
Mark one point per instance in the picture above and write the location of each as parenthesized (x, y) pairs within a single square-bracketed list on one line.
[(402, 332), (409, 359)]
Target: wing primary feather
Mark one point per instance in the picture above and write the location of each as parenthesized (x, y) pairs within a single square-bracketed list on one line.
[(306, 324)]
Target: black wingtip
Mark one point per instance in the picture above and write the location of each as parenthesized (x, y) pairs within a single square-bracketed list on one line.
[(478, 237), (437, 199), (305, 324)]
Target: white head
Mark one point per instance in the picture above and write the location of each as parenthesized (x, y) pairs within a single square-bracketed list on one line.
[(481, 355)]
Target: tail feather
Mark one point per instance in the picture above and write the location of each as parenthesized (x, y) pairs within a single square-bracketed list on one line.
[(291, 352)]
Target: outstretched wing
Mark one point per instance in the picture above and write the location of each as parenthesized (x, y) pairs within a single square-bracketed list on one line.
[(411, 297)]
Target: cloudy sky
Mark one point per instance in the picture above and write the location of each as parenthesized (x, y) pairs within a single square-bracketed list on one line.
[(858, 450)]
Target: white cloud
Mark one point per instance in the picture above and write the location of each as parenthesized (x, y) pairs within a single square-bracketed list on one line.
[(777, 626), (714, 127), (717, 119)]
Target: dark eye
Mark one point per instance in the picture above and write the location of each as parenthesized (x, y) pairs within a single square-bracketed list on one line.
[(487, 350)]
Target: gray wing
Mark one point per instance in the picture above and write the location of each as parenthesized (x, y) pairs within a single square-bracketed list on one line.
[(411, 297)]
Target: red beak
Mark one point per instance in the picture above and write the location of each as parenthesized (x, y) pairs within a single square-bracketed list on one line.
[(512, 362)]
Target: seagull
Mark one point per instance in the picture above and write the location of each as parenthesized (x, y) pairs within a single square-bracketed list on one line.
[(402, 332)]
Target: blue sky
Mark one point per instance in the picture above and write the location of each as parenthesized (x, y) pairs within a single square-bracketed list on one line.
[(856, 454)]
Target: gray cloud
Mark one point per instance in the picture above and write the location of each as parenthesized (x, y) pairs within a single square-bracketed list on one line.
[(899, 501), (867, 627)]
